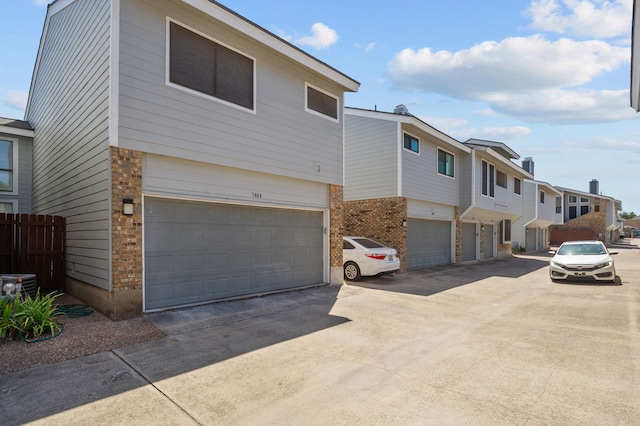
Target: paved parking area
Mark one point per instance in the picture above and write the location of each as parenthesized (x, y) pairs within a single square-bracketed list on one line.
[(486, 343)]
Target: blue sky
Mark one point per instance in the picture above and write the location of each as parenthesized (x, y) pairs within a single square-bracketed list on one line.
[(550, 78)]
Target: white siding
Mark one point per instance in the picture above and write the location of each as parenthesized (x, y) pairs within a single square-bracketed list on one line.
[(68, 107), (20, 197), (505, 200), (188, 179), (420, 178), (371, 152), (280, 138)]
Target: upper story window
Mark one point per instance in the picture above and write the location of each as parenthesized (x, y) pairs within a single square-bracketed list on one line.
[(7, 166), (517, 186), (501, 179), (411, 143), (573, 199), (584, 200), (200, 64), (541, 197), (445, 163), (488, 179), (322, 102)]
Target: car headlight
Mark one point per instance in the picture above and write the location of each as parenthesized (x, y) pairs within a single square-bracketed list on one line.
[(557, 265), (604, 264)]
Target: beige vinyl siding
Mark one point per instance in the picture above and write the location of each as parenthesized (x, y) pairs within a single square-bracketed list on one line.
[(170, 177), (427, 210), (371, 152), (505, 201), (69, 108), (420, 178), (280, 138)]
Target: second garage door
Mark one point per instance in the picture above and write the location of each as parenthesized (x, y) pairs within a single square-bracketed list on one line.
[(428, 243), (197, 252)]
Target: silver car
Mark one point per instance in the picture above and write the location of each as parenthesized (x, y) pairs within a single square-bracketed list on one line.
[(583, 259)]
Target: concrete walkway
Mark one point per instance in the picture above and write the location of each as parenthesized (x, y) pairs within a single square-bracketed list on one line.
[(489, 343)]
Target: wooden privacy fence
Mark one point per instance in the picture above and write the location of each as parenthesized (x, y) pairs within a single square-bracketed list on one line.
[(34, 244), (559, 236)]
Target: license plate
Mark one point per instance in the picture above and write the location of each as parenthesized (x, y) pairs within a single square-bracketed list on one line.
[(579, 274)]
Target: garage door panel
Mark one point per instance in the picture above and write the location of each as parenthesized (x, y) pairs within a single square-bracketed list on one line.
[(428, 243), (207, 251)]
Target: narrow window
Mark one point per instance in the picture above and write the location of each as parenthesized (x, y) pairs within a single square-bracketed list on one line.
[(573, 212), (200, 64), (485, 177), (541, 197), (6, 165), (411, 143), (445, 163), (584, 210), (492, 180), (322, 103), (516, 186), (505, 231)]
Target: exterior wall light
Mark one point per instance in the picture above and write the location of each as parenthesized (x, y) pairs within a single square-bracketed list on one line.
[(404, 222), (127, 206)]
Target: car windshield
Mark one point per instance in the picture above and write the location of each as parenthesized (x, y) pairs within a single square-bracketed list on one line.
[(367, 243), (581, 249)]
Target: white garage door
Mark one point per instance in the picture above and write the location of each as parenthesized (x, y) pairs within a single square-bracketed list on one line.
[(428, 243), (197, 252)]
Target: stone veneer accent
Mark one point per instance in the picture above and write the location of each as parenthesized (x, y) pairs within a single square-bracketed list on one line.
[(379, 219)]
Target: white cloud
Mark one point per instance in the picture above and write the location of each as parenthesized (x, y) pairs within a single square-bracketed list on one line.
[(529, 77), (40, 2), (582, 18), (516, 64), (321, 38), (16, 99), (563, 106)]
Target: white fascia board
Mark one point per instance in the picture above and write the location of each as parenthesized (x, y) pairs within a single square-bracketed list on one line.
[(16, 132), (408, 119), (226, 16), (500, 158), (582, 193), (546, 185)]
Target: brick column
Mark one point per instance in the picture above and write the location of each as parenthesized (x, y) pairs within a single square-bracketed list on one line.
[(336, 231), (126, 249)]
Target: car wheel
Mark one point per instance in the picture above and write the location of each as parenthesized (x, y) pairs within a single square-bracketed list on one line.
[(351, 271)]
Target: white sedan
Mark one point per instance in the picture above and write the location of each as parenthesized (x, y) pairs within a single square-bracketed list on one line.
[(582, 259), (365, 257)]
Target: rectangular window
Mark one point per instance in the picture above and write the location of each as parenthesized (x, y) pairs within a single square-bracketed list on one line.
[(322, 102), (558, 204), (492, 180), (445, 163), (200, 64), (6, 165), (596, 208), (541, 197), (501, 179), (584, 210), (411, 143), (573, 199), (505, 231), (517, 189), (6, 208), (573, 212), (584, 200), (485, 178)]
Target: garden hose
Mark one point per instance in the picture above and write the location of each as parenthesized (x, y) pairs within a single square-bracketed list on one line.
[(73, 311)]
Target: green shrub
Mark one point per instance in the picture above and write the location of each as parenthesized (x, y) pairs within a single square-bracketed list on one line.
[(31, 318)]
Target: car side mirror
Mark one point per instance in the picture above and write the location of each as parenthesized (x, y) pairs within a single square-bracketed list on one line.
[(552, 252), (612, 252)]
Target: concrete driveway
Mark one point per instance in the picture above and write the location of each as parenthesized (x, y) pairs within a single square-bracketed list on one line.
[(487, 343)]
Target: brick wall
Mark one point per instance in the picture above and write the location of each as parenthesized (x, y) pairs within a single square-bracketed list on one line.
[(380, 219), (126, 177)]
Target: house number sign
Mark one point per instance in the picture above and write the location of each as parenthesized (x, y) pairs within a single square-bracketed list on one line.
[(256, 194)]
